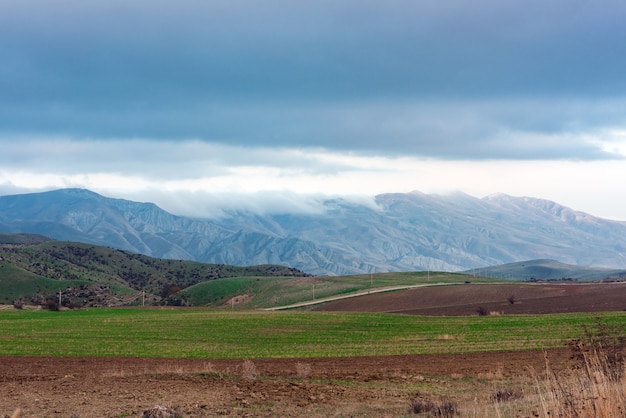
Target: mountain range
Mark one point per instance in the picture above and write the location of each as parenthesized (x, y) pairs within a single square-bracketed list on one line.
[(401, 232)]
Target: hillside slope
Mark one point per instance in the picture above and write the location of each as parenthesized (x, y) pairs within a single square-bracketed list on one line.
[(541, 270), (30, 271)]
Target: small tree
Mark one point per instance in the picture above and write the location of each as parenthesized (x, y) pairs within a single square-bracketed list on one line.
[(170, 289), (52, 304)]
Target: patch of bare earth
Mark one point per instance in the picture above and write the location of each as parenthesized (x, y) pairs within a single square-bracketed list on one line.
[(341, 387), (237, 300)]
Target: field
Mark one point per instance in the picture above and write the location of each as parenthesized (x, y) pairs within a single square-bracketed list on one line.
[(267, 292), (501, 298), (312, 387), (118, 362)]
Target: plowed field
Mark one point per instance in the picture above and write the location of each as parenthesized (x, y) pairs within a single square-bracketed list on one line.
[(371, 386), (508, 298)]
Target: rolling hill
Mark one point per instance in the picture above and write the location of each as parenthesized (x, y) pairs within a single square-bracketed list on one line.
[(546, 270), (89, 275)]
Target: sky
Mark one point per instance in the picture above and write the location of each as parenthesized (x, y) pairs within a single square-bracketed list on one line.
[(205, 105)]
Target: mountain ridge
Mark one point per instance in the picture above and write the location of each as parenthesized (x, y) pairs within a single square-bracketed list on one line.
[(404, 232)]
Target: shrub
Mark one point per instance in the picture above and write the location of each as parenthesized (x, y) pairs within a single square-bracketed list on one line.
[(51, 304), (446, 409), (505, 395), (249, 370), (420, 406), (482, 311), (161, 411)]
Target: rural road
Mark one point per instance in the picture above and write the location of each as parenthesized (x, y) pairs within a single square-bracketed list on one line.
[(353, 295)]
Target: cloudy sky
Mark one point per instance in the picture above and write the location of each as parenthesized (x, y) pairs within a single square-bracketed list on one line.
[(202, 104)]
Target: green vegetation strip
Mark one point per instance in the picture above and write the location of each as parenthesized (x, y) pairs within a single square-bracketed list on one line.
[(280, 291), (225, 334)]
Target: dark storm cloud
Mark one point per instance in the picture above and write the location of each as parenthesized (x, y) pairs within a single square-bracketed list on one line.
[(443, 79)]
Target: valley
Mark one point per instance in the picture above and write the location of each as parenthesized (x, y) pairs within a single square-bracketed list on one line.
[(96, 327)]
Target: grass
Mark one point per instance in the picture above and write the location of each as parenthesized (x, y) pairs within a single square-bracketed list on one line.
[(279, 291), (15, 283), (196, 333), (588, 391)]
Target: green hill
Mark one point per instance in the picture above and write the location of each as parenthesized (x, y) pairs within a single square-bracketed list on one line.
[(34, 269), (17, 283)]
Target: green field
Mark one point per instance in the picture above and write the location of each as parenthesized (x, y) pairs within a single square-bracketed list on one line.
[(198, 333)]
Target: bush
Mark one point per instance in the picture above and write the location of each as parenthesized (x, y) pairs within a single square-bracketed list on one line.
[(51, 304), (420, 407), (505, 395), (482, 311), (161, 411), (446, 409)]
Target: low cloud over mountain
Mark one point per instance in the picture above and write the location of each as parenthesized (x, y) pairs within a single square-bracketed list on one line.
[(404, 232)]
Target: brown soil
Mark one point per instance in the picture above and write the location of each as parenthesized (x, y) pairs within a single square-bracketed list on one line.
[(368, 386), (340, 387), (466, 299)]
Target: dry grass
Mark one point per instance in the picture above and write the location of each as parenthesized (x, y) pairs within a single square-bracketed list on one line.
[(498, 373), (249, 370), (206, 368), (590, 391), (303, 370)]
